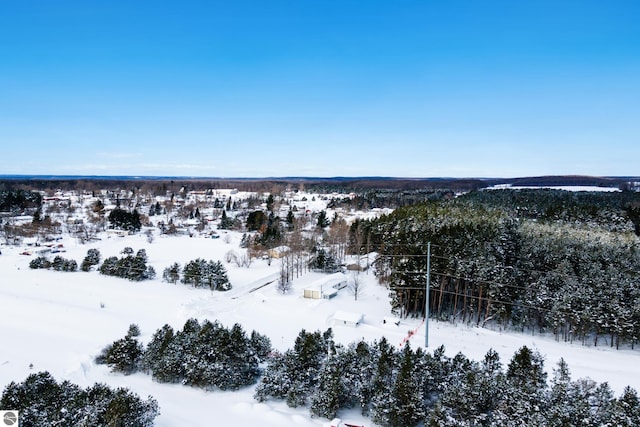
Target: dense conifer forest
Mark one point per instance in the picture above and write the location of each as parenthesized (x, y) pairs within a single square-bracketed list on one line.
[(538, 260)]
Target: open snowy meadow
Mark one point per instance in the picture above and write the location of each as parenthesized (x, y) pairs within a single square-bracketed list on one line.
[(58, 322)]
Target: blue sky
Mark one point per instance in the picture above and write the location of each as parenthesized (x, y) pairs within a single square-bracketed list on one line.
[(320, 88)]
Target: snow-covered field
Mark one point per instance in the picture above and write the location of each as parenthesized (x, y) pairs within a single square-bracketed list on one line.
[(58, 322)]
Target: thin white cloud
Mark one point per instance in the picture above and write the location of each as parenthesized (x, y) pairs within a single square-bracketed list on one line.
[(118, 155)]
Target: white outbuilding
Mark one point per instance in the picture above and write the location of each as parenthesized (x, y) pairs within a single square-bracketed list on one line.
[(326, 287), (345, 318)]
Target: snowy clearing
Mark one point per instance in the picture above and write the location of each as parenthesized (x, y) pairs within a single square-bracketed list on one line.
[(59, 322)]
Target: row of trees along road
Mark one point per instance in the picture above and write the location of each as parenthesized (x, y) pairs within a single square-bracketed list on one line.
[(535, 260)]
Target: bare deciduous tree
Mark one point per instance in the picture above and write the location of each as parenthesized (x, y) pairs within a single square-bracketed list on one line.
[(230, 256), (356, 285), (284, 281), (245, 259)]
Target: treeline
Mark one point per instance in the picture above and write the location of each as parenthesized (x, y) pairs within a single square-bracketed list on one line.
[(19, 200), (378, 199), (514, 259), (399, 388), (206, 355), (42, 401), (613, 211), (134, 266)]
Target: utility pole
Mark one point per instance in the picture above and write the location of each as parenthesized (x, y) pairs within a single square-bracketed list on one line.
[(426, 303)]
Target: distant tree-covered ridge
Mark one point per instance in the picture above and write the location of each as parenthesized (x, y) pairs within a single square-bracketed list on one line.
[(543, 260), (42, 401), (613, 211)]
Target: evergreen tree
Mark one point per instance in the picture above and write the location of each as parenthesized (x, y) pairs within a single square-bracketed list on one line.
[(109, 266), (216, 277), (323, 221), (133, 331), (603, 405), (239, 363), (277, 379), (156, 349), (120, 407), (382, 382), (559, 412), (330, 393), (406, 407), (255, 220), (290, 220), (226, 223), (293, 376), (193, 272), (92, 258), (627, 409), (261, 345), (524, 393), (361, 372), (171, 274), (123, 355)]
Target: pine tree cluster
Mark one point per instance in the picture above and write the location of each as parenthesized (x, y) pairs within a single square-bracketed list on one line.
[(42, 401), (268, 226), (200, 274), (324, 261), (58, 264), (206, 355), (129, 266), (119, 218), (19, 200), (410, 388)]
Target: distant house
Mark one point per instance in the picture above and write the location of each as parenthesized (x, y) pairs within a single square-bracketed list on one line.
[(344, 318), (117, 233), (279, 252)]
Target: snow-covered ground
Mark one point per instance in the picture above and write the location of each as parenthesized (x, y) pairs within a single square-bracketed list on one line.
[(59, 321)]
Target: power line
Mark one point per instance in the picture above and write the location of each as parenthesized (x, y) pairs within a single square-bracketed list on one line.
[(491, 300)]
